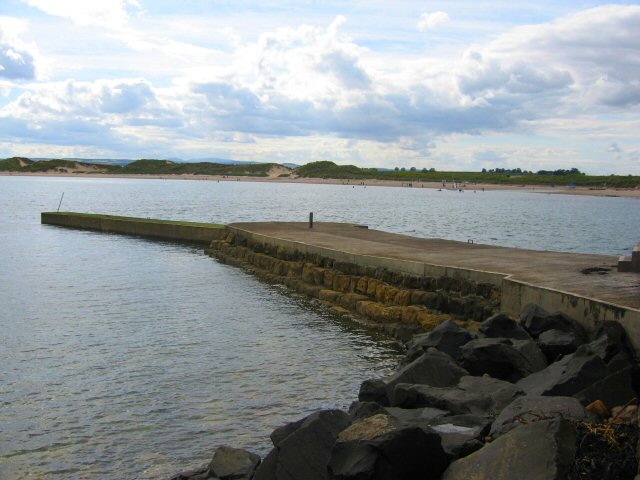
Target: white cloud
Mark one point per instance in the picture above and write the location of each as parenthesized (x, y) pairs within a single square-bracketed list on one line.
[(17, 59), (432, 20), (283, 87), (104, 13)]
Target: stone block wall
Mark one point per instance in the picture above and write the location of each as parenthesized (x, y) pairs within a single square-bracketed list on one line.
[(395, 302)]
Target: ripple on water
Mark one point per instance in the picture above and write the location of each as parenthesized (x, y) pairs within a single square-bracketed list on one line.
[(126, 358), (116, 373)]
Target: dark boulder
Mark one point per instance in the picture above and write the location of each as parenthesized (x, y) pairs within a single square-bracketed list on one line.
[(567, 376), (536, 320), (503, 326), (416, 416), (556, 343), (404, 453), (228, 463), (195, 474), (233, 464), (614, 389), (447, 337), (501, 358), (611, 340), (267, 468), (302, 448), (462, 434), (374, 390), (530, 408), (433, 368), (540, 450), (359, 410), (482, 396)]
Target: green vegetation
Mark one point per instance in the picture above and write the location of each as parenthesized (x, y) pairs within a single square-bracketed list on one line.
[(14, 164), (166, 167), (139, 167), (138, 219), (327, 169)]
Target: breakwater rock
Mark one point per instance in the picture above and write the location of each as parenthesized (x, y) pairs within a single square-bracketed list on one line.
[(489, 403)]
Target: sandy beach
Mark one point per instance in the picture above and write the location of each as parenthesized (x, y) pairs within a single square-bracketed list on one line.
[(274, 176)]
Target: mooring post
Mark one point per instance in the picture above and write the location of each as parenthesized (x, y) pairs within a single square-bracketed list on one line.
[(60, 202), (310, 219)]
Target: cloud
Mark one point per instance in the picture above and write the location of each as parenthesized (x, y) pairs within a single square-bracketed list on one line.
[(125, 97), (590, 51), (302, 83), (104, 13), (17, 60), (614, 148), (431, 20)]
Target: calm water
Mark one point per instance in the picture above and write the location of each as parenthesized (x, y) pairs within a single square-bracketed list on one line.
[(127, 358)]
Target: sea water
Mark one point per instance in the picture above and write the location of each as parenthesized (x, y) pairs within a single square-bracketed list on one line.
[(122, 357)]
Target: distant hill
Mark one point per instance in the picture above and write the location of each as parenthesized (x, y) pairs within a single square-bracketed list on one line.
[(223, 161), (100, 161), (322, 169), (326, 169), (137, 167)]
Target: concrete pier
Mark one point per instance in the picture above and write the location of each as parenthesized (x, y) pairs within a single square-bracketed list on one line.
[(585, 287), (145, 227)]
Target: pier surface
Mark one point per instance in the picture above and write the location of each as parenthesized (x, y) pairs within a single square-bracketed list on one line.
[(554, 270), (145, 227)]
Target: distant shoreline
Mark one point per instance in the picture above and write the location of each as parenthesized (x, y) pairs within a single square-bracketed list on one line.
[(560, 190)]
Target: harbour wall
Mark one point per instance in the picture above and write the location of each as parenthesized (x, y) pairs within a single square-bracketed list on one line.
[(396, 295), (161, 229), (459, 292)]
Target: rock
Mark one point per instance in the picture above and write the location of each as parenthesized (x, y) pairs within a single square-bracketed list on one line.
[(503, 326), (233, 464), (540, 450), (367, 428), (499, 358), (599, 408), (610, 340), (555, 343), (567, 376), (374, 390), (416, 416), (534, 408), (462, 434), (530, 350), (536, 320), (359, 410), (613, 389), (459, 444), (433, 368), (267, 468), (404, 453), (195, 474), (447, 337), (303, 448), (483, 396)]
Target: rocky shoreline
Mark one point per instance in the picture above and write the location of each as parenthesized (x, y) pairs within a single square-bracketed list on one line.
[(537, 398)]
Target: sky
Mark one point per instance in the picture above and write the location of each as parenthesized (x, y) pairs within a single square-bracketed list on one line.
[(450, 85)]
